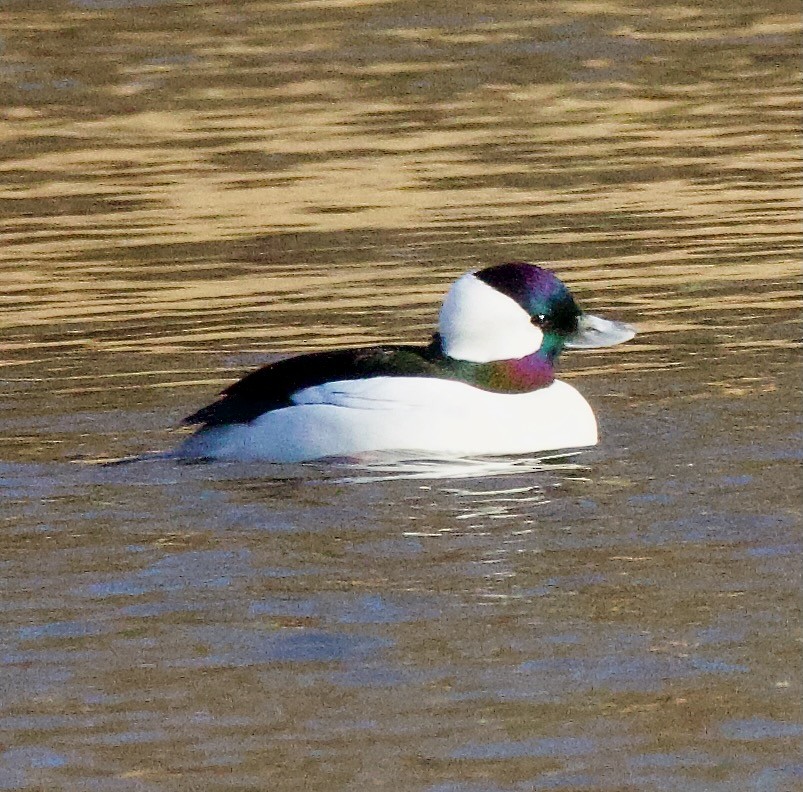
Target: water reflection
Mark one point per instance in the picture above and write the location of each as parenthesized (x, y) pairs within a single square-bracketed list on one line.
[(381, 466), (189, 190)]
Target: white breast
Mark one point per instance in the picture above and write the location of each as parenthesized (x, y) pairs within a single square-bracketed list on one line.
[(423, 415)]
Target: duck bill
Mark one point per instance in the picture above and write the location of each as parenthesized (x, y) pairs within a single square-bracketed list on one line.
[(594, 331)]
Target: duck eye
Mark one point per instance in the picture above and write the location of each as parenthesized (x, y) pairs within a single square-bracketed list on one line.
[(540, 320)]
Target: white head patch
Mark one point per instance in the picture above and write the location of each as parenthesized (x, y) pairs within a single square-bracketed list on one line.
[(480, 324)]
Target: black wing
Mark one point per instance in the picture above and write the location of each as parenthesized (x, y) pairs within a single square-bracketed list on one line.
[(273, 386)]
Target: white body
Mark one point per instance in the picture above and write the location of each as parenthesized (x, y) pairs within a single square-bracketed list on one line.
[(427, 416)]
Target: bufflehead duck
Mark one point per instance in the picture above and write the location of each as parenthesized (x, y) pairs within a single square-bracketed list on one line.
[(485, 384)]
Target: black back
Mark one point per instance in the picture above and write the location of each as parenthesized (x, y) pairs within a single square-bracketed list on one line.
[(273, 386)]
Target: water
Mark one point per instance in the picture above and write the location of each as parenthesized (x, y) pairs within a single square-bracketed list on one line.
[(189, 190)]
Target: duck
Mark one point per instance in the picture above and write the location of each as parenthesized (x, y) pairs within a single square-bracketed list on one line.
[(485, 384)]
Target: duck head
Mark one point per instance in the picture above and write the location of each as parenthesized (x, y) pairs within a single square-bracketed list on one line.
[(511, 311)]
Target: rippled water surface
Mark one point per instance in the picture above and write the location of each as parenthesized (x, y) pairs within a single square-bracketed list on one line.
[(190, 189)]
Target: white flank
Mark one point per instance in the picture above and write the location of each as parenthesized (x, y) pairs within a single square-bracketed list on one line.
[(422, 415)]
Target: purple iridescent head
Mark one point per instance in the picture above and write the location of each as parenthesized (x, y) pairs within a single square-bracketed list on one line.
[(545, 298), (513, 310)]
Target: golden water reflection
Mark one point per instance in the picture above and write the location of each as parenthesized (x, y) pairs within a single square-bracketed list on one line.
[(278, 181), (188, 189)]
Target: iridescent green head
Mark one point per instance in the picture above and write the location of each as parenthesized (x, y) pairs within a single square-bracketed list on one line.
[(514, 310)]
